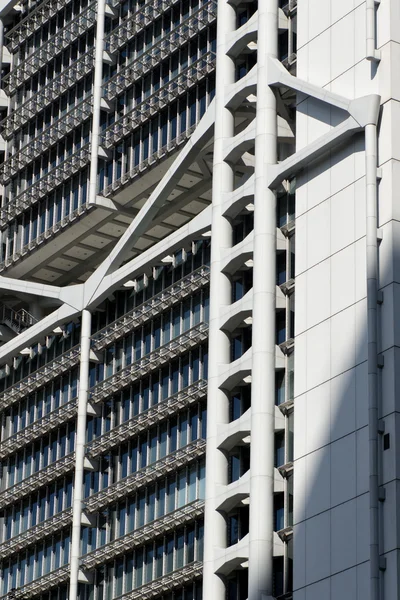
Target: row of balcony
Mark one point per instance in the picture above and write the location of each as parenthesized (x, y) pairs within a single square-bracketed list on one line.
[(157, 470), (38, 428), (155, 588), (116, 85), (42, 584), (38, 532), (165, 95), (85, 63), (154, 55), (154, 415), (142, 367), (153, 159), (152, 105), (37, 480), (40, 377), (157, 528), (161, 50), (130, 27), (127, 485), (134, 318), (53, 90), (173, 294), (166, 584), (42, 14), (49, 137), (50, 49)]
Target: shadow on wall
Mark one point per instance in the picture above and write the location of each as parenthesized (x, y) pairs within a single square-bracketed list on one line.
[(331, 451)]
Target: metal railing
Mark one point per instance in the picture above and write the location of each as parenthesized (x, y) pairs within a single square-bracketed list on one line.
[(85, 63), (38, 532), (152, 416), (148, 162), (47, 138), (41, 584), (160, 50), (17, 320), (166, 584), (116, 85), (106, 336), (191, 338), (40, 377), (130, 484), (53, 90), (50, 49), (46, 235), (37, 480), (152, 105), (157, 528), (123, 127), (32, 22), (152, 307), (38, 428)]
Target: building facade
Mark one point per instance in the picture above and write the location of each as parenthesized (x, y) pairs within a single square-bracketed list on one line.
[(198, 274)]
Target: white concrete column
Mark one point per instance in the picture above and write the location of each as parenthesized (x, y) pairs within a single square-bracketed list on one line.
[(264, 292), (80, 454), (97, 96), (372, 320), (220, 295)]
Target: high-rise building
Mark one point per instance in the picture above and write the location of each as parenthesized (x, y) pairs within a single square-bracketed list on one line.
[(186, 411)]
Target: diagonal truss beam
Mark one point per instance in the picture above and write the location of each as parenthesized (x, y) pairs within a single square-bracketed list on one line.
[(30, 287), (113, 281), (107, 276), (362, 112), (157, 199), (42, 328)]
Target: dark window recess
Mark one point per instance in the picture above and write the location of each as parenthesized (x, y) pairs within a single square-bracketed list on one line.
[(238, 525), (279, 449), (240, 402), (281, 268), (239, 463), (242, 227), (278, 576), (279, 387), (279, 512), (280, 326), (240, 343), (241, 284), (386, 441)]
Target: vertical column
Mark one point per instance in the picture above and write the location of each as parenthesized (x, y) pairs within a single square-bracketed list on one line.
[(264, 293), (80, 453), (220, 295), (372, 320), (97, 95)]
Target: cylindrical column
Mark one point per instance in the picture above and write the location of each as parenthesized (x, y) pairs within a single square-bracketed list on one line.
[(80, 453), (264, 302), (97, 96), (371, 51), (220, 295), (372, 320)]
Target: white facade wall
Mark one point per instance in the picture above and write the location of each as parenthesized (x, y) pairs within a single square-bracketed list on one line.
[(331, 514)]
